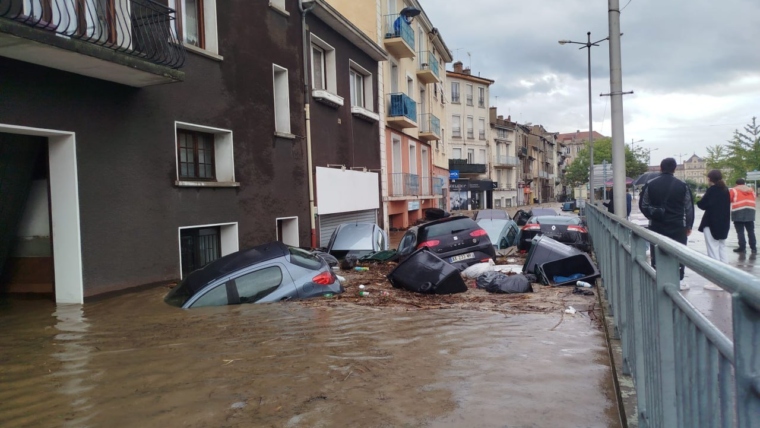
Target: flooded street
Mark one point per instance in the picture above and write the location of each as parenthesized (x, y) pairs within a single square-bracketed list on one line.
[(132, 360)]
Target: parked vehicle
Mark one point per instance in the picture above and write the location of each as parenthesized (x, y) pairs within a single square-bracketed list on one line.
[(491, 214), (569, 206), (457, 240), (502, 233), (565, 229), (357, 239), (522, 216), (265, 273)]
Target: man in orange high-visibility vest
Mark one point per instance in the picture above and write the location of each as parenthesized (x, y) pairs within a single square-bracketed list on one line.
[(743, 215)]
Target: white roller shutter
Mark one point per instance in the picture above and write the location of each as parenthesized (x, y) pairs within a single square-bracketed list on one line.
[(329, 222)]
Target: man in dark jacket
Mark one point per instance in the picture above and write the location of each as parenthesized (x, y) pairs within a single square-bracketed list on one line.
[(667, 202), (611, 204)]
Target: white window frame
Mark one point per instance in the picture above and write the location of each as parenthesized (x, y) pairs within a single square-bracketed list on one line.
[(397, 158), (281, 94), (482, 128), (330, 78), (367, 110), (471, 156), (456, 126), (468, 95), (224, 156), (458, 99), (456, 153), (481, 91), (210, 32), (412, 158), (470, 127), (279, 6), (228, 239)]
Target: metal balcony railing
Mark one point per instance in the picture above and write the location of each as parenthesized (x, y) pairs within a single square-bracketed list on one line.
[(507, 160), (438, 186), (401, 104), (430, 123), (396, 26), (455, 98), (470, 134), (469, 100), (141, 28), (404, 184), (482, 135), (456, 133), (428, 61), (522, 151), (481, 102), (426, 186)]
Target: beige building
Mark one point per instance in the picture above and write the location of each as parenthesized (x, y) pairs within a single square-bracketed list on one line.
[(695, 169), (504, 165), (469, 124), (412, 105)]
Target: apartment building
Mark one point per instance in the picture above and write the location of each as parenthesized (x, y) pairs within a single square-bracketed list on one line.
[(504, 162), (469, 158), (542, 155), (574, 142), (152, 148), (694, 169), (413, 155)]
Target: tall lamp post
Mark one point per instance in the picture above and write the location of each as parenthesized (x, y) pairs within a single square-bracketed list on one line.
[(634, 142), (587, 45)]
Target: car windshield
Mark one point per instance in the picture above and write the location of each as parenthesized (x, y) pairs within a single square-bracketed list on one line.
[(493, 228), (354, 237), (304, 259), (556, 219), (449, 227), (180, 294)]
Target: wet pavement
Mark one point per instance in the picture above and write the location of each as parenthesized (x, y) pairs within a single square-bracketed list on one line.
[(714, 304), (132, 360)]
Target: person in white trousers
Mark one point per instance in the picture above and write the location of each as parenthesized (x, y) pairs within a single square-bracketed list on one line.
[(716, 223)]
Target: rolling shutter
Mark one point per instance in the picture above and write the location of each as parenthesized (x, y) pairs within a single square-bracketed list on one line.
[(329, 222)]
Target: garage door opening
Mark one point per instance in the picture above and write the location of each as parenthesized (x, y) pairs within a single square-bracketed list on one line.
[(39, 201)]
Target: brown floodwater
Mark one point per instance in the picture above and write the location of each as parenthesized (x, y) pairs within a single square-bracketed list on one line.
[(134, 361)]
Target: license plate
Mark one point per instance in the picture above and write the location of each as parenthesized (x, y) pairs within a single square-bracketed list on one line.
[(461, 257)]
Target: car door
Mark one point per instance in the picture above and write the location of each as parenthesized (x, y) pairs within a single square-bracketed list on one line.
[(407, 244), (214, 294), (381, 239), (513, 232)]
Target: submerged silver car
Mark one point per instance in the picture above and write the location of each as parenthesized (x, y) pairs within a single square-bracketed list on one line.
[(266, 273), (358, 239), (502, 232)]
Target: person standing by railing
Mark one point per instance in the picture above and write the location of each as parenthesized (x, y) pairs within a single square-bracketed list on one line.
[(743, 215), (667, 202), (716, 222)]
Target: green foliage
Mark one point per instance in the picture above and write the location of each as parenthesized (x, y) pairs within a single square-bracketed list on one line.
[(577, 173), (741, 154)]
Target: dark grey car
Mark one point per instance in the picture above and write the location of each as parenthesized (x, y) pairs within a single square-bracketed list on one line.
[(266, 273)]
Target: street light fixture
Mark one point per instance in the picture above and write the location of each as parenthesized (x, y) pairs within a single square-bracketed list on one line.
[(587, 45), (634, 142)]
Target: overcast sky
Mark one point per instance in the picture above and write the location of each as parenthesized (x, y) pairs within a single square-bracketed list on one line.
[(694, 65)]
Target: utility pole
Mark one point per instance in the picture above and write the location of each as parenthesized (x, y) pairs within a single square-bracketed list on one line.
[(616, 92)]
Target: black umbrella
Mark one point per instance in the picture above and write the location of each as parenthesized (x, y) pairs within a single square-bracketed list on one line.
[(645, 177)]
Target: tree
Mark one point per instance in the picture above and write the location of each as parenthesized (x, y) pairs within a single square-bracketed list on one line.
[(744, 151), (578, 171), (717, 157)]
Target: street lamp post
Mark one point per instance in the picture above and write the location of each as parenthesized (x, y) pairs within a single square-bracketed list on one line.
[(588, 45), (634, 142)]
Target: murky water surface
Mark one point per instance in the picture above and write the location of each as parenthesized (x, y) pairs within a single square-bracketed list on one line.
[(134, 361)]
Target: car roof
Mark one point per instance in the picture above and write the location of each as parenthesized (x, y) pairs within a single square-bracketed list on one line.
[(234, 262), (543, 211), (492, 214), (442, 220), (555, 219)]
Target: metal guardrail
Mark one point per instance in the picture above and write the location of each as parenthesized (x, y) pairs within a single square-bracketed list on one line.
[(396, 26), (507, 160), (428, 61), (687, 373), (400, 104), (430, 123), (404, 184), (141, 28)]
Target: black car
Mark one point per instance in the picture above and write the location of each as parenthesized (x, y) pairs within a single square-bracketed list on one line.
[(521, 216), (265, 273), (565, 229), (457, 240)]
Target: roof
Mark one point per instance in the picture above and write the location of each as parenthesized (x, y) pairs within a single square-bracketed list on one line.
[(470, 77), (578, 136)]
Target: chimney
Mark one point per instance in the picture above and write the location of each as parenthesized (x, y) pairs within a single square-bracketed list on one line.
[(509, 118), (466, 71), (458, 67)]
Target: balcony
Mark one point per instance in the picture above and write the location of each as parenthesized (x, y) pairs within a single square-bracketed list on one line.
[(131, 42), (399, 36), (428, 69), (464, 167), (506, 161), (522, 152), (430, 127), (527, 177), (406, 184), (402, 111), (438, 186)]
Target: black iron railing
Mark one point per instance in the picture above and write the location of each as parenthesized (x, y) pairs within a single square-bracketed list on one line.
[(141, 28)]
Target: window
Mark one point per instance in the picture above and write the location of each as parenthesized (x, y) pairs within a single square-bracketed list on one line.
[(470, 155), (481, 97), (199, 247), (204, 156), (318, 68), (456, 126), (397, 165), (281, 100), (482, 128), (196, 23), (482, 156), (470, 129), (361, 91), (195, 155), (217, 296), (455, 92), (469, 95), (456, 153), (256, 285), (501, 134), (435, 91), (322, 66), (279, 4)]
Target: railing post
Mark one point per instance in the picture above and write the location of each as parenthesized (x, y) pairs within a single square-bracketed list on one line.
[(638, 368), (747, 362), (667, 276)]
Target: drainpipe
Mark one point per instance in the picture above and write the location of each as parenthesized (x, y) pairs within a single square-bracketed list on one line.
[(306, 108)]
